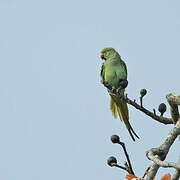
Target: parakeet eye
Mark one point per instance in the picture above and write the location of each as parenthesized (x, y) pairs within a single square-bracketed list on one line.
[(102, 56)]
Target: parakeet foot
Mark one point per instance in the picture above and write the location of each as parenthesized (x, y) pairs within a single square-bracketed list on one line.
[(114, 90), (118, 90), (106, 84), (102, 81)]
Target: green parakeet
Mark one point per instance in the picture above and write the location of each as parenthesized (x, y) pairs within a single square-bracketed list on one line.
[(113, 71)]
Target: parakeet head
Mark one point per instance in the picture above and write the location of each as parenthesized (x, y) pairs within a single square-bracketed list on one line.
[(107, 52)]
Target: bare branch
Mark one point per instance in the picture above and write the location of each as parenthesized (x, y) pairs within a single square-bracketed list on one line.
[(154, 111), (146, 172), (162, 163), (174, 101), (157, 155), (127, 167), (121, 167), (116, 140), (127, 156), (153, 115), (173, 98), (176, 175)]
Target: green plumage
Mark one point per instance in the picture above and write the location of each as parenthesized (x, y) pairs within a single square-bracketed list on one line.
[(113, 71)]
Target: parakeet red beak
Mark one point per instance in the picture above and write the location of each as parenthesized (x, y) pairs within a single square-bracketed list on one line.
[(102, 56)]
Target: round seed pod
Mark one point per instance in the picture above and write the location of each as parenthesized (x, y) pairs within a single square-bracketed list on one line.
[(115, 139), (162, 108), (143, 92), (111, 160), (123, 83)]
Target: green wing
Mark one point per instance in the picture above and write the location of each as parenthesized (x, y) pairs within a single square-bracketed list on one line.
[(124, 65), (102, 71)]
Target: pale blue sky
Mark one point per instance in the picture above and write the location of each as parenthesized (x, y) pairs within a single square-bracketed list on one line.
[(55, 121)]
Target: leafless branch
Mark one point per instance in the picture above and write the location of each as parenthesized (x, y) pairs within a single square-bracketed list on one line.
[(157, 155), (162, 163), (176, 175), (116, 140), (146, 172), (119, 166), (127, 157), (160, 119), (153, 115), (174, 101)]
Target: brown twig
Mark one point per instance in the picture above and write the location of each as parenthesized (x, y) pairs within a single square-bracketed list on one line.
[(160, 119), (146, 172), (141, 101), (154, 111), (121, 167), (127, 157), (116, 140)]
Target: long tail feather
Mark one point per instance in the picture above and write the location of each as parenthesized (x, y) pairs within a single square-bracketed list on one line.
[(133, 131), (121, 109), (113, 108), (129, 130)]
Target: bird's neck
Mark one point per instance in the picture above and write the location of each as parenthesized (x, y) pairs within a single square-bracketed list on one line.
[(114, 59)]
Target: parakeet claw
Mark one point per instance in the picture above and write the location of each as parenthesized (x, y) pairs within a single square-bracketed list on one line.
[(102, 81), (106, 84), (118, 90), (113, 90)]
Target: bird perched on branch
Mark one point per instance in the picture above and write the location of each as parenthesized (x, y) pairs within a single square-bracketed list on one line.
[(113, 72)]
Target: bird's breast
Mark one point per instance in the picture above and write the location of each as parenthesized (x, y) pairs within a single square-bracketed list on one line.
[(111, 77)]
